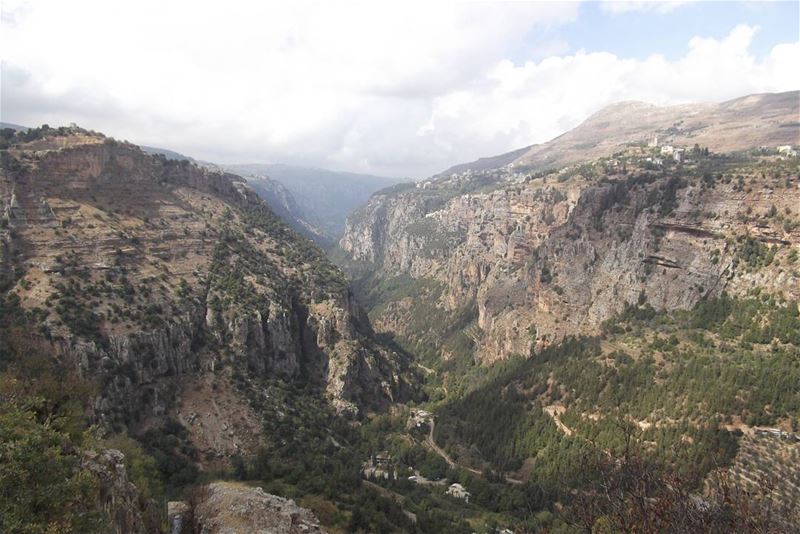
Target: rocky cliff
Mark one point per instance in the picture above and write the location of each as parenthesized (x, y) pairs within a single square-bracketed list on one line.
[(510, 260), (125, 508), (153, 271)]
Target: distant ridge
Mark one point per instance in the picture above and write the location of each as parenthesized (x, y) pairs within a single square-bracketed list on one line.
[(325, 197), (169, 154), (491, 162), (17, 127), (750, 121)]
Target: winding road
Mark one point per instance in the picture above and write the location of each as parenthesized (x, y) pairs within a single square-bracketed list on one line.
[(431, 444)]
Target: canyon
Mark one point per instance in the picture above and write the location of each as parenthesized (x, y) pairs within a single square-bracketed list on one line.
[(506, 326)]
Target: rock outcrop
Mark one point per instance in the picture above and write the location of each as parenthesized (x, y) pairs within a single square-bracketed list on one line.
[(230, 508)]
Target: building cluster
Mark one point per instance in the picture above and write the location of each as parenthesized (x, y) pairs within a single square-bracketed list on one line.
[(379, 466), (676, 153)]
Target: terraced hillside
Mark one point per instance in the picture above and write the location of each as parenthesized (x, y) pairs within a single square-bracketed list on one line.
[(769, 459), (149, 270)]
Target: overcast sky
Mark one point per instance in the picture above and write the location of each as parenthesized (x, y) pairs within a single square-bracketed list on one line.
[(394, 88)]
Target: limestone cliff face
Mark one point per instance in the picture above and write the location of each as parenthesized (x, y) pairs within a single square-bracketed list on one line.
[(547, 255), (150, 270)]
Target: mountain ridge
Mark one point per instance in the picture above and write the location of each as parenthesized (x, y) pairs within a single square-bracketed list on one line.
[(602, 140)]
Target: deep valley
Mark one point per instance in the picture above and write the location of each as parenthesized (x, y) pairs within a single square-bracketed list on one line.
[(596, 334)]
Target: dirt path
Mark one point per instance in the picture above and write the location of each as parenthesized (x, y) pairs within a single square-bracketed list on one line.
[(431, 444), (555, 411), (426, 369)]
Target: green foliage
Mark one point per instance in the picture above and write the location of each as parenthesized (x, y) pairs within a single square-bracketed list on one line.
[(172, 455), (142, 469), (316, 270), (430, 328), (695, 370), (754, 254), (43, 428), (312, 451), (42, 487), (669, 200)]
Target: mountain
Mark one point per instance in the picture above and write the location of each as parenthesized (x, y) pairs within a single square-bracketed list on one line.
[(283, 203), (201, 325), (769, 119), (15, 127), (325, 197), (515, 263), (605, 345), (313, 202), (150, 254), (169, 154)]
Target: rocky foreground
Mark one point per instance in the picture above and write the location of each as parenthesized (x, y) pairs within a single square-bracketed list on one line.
[(231, 508)]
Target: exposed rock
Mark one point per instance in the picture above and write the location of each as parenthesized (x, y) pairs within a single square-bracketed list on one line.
[(229, 508), (119, 498)]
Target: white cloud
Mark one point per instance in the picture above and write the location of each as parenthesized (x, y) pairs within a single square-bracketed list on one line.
[(401, 88), (535, 102), (657, 6)]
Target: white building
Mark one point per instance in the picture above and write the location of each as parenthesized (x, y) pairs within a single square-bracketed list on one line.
[(667, 150), (458, 491)]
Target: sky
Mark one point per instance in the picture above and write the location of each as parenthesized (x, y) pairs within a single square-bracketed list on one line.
[(401, 88)]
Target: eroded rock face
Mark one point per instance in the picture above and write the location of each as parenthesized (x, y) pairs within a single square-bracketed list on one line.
[(119, 498), (541, 257), (148, 270), (229, 508)]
